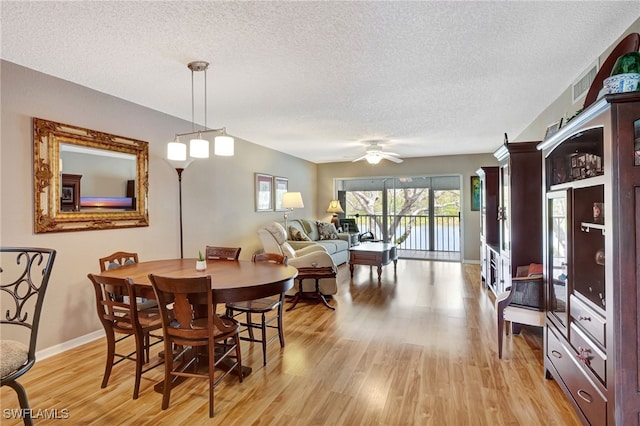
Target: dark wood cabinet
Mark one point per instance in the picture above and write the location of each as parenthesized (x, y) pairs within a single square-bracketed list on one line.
[(592, 260), (70, 192), (489, 190), (519, 210)]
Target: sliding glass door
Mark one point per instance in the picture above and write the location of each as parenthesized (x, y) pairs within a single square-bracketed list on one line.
[(416, 213)]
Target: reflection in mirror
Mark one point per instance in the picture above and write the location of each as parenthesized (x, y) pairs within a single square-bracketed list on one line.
[(96, 178), (84, 179)]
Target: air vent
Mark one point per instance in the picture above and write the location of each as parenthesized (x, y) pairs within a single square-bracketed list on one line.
[(582, 84)]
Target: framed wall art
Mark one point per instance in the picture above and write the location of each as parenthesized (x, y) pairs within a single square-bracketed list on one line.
[(281, 186), (552, 129), (475, 193), (264, 191)]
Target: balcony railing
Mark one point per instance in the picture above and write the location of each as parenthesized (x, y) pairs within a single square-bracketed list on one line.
[(413, 232)]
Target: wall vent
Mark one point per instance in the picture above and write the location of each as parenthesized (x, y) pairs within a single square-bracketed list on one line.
[(582, 84)]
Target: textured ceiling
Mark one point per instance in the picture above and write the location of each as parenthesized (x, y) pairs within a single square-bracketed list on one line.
[(315, 79)]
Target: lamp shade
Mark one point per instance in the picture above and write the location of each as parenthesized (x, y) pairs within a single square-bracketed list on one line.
[(292, 200), (176, 151), (223, 145), (199, 148), (334, 207)]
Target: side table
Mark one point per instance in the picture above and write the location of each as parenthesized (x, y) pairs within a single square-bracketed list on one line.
[(316, 274)]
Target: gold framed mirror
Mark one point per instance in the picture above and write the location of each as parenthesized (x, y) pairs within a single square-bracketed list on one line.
[(84, 179)]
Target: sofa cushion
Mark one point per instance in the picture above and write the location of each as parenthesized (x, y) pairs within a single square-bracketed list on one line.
[(297, 235), (327, 231), (334, 246)]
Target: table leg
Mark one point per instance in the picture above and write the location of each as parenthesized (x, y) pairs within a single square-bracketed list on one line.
[(296, 297), (379, 272), (351, 269), (321, 297)]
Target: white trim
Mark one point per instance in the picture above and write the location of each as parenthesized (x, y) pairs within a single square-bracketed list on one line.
[(69, 344)]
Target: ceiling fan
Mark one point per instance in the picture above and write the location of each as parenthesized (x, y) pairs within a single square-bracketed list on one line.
[(374, 154)]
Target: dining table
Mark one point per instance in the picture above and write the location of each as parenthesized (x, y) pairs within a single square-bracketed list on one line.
[(233, 280)]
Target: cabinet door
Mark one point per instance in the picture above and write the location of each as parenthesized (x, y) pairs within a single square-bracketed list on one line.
[(557, 270)]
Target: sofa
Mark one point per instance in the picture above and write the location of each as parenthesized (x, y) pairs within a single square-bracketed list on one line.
[(304, 233)]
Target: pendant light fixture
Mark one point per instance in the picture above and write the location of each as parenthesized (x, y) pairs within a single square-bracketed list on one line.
[(198, 146)]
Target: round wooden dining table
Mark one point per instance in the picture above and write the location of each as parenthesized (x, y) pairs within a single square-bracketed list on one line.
[(234, 281)]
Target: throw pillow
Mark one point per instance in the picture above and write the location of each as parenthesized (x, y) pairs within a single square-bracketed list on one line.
[(327, 231), (297, 235)]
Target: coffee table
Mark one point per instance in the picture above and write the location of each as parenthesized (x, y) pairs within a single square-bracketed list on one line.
[(373, 254)]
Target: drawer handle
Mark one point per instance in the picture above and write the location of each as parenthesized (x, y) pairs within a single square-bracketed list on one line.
[(584, 318), (585, 395), (556, 353)]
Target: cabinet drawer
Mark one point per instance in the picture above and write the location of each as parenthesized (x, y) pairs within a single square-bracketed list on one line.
[(592, 356), (591, 402), (592, 323)]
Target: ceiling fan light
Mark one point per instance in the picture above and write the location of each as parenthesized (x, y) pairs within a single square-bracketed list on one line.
[(223, 145), (199, 148), (373, 158)]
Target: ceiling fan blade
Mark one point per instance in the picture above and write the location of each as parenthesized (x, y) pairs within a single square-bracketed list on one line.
[(391, 158), (389, 153), (360, 158)]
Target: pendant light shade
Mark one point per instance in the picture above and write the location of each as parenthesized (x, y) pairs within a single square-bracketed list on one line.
[(199, 148), (176, 151), (224, 146)]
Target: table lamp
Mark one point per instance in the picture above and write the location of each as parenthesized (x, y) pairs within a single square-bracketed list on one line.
[(335, 208)]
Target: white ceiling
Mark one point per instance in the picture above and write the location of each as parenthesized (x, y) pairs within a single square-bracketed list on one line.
[(315, 79)]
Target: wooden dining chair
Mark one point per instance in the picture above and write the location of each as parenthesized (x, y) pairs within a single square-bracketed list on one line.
[(117, 259), (24, 276), (222, 253), (123, 258), (185, 325), (119, 315), (262, 307)]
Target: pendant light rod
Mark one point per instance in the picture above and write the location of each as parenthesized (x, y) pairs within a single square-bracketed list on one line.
[(198, 66), (222, 130)]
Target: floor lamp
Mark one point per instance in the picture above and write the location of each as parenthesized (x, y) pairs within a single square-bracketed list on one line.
[(290, 201)]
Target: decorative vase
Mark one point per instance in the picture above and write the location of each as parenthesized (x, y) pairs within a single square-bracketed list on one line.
[(201, 265), (621, 83)]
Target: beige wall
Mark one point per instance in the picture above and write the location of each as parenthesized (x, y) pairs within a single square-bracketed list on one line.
[(218, 193), (463, 165), (563, 106)]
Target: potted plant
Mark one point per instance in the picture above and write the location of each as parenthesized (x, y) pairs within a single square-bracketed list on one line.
[(201, 263)]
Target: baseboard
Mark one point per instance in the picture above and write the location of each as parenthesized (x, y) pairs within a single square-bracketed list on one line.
[(70, 344), (472, 262)]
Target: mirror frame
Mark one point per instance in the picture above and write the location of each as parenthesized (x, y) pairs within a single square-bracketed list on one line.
[(48, 216)]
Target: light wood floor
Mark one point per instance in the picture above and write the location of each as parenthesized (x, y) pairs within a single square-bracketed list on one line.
[(417, 349)]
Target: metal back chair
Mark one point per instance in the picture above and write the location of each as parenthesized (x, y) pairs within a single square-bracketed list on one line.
[(25, 275)]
